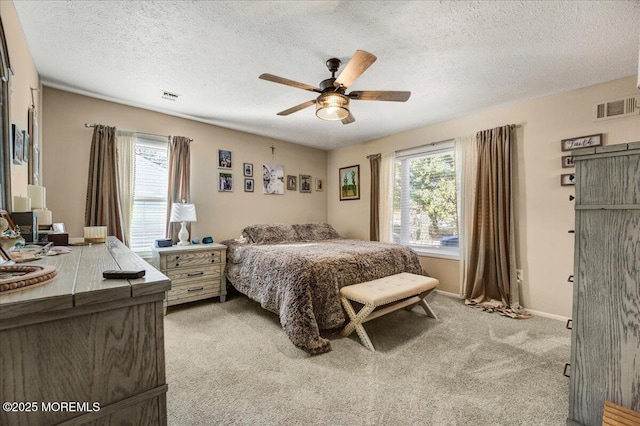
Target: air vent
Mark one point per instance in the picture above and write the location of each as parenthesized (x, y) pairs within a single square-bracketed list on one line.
[(617, 108), (169, 96)]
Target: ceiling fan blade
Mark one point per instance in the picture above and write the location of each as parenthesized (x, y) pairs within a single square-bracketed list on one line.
[(379, 95), (287, 82), (358, 64), (350, 119), (297, 108)]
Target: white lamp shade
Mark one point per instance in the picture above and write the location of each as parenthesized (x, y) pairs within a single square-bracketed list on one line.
[(181, 212)]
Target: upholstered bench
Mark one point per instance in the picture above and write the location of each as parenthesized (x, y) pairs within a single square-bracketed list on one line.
[(387, 294)]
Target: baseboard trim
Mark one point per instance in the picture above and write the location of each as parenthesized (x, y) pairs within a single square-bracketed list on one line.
[(449, 294), (547, 315), (531, 311)]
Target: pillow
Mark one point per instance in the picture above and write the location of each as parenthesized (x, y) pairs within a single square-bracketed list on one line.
[(316, 231), (270, 233)]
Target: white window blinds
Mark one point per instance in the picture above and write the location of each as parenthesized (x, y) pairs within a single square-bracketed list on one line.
[(425, 199), (150, 195)]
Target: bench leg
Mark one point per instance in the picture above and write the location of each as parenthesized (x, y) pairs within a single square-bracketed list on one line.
[(356, 322), (424, 305), (428, 309)]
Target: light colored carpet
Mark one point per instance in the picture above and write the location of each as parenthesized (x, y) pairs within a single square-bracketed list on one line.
[(231, 363)]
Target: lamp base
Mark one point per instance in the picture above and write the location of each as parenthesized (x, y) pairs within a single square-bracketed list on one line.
[(183, 235)]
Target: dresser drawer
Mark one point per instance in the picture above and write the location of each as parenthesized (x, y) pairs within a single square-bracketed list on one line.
[(194, 274), (184, 260), (204, 288)]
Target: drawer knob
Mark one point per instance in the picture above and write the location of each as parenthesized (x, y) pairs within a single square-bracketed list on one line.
[(195, 289), (195, 274), (177, 264)]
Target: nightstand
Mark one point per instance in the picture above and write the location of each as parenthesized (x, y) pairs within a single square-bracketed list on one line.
[(196, 272)]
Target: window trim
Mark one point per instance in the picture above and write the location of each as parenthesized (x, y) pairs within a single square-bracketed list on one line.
[(440, 253)]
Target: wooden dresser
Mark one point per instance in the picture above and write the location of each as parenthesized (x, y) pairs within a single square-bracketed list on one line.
[(196, 271), (84, 340), (605, 345)]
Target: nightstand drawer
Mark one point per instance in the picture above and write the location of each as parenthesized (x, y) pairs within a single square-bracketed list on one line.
[(194, 274), (191, 297), (184, 260), (202, 288)]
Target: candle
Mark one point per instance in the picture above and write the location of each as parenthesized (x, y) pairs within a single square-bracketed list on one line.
[(44, 216), (38, 195), (21, 204), (95, 234)]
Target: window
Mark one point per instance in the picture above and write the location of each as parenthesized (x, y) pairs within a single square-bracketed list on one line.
[(425, 203), (151, 182)]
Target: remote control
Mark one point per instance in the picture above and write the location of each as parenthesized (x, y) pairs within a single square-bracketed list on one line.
[(121, 275)]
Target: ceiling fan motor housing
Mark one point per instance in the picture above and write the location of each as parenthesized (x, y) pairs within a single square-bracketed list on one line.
[(327, 86)]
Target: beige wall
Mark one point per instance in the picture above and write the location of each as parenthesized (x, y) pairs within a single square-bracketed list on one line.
[(446, 270), (543, 211), (220, 214), (25, 77)]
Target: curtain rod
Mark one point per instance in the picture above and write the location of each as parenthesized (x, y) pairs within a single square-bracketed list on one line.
[(512, 126), (87, 125), (424, 145)]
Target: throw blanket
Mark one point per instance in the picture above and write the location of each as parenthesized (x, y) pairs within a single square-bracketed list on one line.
[(300, 281)]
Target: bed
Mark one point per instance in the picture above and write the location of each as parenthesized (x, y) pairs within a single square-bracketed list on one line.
[(296, 272)]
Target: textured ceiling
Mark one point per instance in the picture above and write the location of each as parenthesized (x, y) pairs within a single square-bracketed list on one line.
[(455, 57)]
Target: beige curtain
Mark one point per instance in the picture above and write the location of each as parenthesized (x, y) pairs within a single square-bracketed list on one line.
[(466, 155), (126, 160), (374, 209), (179, 173), (102, 206), (387, 165), (491, 279)]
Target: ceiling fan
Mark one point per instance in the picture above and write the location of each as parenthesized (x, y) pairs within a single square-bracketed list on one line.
[(333, 103)]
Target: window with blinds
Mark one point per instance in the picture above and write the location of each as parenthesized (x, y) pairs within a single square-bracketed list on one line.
[(425, 201), (151, 181)]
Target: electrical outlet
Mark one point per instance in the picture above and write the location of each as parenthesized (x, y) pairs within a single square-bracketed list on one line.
[(519, 274)]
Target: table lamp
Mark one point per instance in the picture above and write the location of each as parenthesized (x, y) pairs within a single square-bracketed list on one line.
[(183, 213)]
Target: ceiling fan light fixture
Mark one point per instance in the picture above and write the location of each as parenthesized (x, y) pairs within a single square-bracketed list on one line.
[(332, 106)]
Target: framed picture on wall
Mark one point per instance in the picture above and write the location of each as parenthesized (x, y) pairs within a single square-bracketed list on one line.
[(273, 179), (247, 169), (225, 182), (319, 185), (34, 161), (568, 179), (292, 182), (567, 161), (26, 147), (224, 159), (305, 183), (248, 185), (18, 144), (349, 181), (581, 142)]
